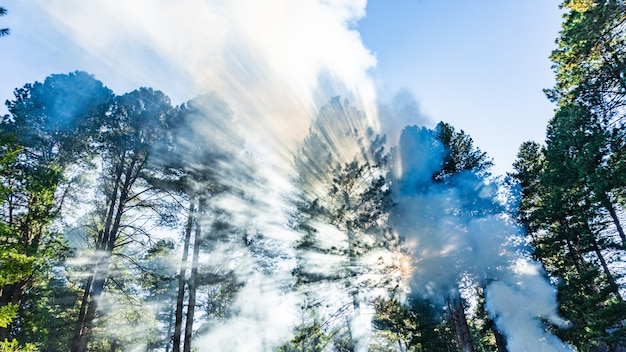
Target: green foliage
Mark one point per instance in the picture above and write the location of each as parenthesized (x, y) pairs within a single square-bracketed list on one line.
[(307, 338), (416, 326), (14, 266), (7, 314), (572, 188), (460, 154), (14, 346)]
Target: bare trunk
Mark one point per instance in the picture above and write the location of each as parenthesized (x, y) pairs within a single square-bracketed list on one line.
[(89, 306), (193, 278), (581, 266), (170, 325), (178, 322), (461, 329), (80, 322)]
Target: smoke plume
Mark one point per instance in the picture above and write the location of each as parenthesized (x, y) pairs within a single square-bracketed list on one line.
[(459, 233)]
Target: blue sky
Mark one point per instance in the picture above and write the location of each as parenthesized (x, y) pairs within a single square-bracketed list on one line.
[(480, 65)]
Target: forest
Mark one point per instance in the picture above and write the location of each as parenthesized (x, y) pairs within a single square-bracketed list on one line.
[(129, 223)]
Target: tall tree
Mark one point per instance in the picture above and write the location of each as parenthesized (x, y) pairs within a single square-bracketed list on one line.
[(204, 160), (48, 132), (341, 170), (136, 121), (433, 162), (562, 207)]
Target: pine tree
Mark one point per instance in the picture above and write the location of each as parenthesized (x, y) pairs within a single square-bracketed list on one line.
[(136, 121), (47, 135), (342, 177)]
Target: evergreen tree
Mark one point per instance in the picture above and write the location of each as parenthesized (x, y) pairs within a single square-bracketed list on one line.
[(341, 169), (204, 161), (46, 136), (136, 121), (441, 161)]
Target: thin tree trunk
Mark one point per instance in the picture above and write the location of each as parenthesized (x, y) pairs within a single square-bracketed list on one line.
[(609, 206), (90, 300), (581, 266), (78, 330), (170, 325), (193, 277), (605, 268), (105, 245), (461, 328), (178, 321)]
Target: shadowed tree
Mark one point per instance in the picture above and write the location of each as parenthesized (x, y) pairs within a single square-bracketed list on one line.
[(564, 209)]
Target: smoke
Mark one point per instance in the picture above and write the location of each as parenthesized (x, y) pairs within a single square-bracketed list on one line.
[(274, 63), (458, 232), (518, 302), (265, 58), (403, 110)]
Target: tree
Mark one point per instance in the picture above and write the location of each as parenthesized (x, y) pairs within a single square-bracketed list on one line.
[(341, 169), (46, 136), (432, 165), (415, 326), (562, 207), (203, 162), (136, 121)]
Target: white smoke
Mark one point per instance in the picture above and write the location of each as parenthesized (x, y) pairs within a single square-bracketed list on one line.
[(274, 62), (266, 58), (458, 231), (518, 302)]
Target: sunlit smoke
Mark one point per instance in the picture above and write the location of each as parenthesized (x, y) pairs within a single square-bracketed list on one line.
[(272, 61), (519, 302), (273, 66), (458, 231)]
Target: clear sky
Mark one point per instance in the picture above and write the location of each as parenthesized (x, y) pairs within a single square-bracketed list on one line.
[(480, 65)]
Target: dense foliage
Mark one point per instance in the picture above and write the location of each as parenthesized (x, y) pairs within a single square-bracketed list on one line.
[(572, 188), (128, 223)]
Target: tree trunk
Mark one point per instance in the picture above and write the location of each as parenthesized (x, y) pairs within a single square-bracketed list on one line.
[(89, 306), (606, 202), (193, 277), (581, 266), (461, 329), (170, 325), (80, 322), (11, 294), (178, 322), (105, 245), (605, 268)]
